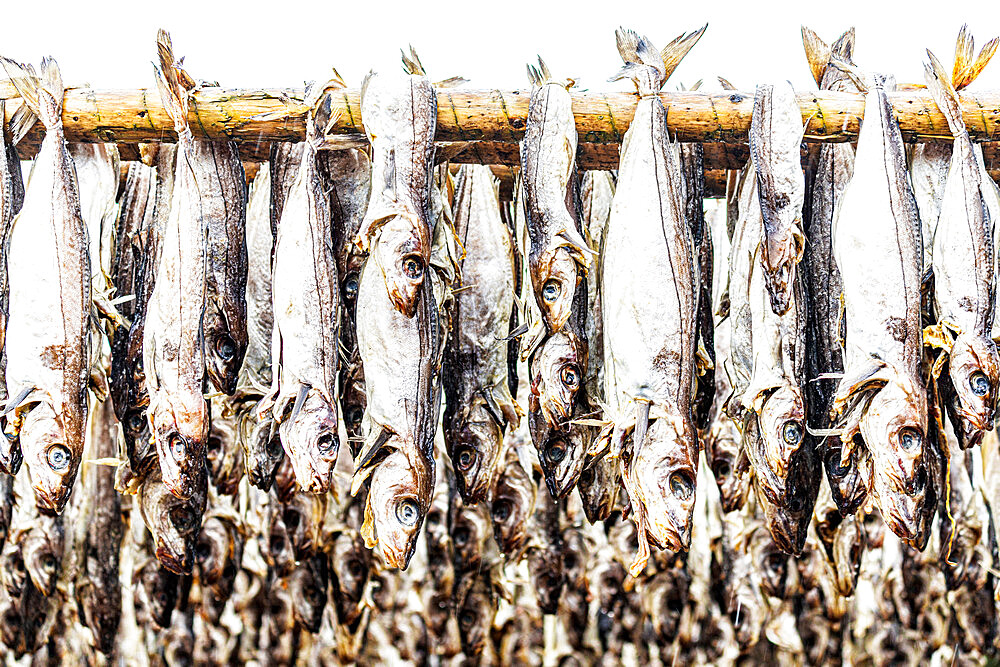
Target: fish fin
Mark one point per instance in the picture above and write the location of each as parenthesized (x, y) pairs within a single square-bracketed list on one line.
[(372, 452), (21, 122), (577, 245), (843, 46), (725, 83), (674, 52), (967, 68), (643, 63), (853, 72), (641, 426), (42, 95), (300, 398), (411, 62), (169, 77), (944, 94), (451, 82), (871, 375), (491, 406), (18, 399), (368, 526), (983, 59), (697, 85), (817, 53)]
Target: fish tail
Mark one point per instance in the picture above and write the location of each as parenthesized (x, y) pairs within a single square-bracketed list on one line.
[(20, 122), (170, 79), (944, 94), (643, 63), (674, 52), (725, 83), (411, 62), (967, 64), (42, 95), (817, 53)]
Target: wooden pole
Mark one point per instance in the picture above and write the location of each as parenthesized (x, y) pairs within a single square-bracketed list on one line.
[(258, 115)]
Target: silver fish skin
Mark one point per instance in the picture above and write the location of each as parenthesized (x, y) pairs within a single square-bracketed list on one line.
[(881, 396), (558, 255), (649, 289), (97, 173), (479, 406), (11, 199), (400, 113), (306, 301), (48, 336), (173, 334), (963, 259), (774, 149), (829, 174)]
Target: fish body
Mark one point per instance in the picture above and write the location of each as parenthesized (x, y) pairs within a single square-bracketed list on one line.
[(47, 336), (174, 522), (479, 406), (649, 301), (11, 199), (881, 396)]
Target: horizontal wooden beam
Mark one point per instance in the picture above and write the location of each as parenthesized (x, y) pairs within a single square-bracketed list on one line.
[(275, 114)]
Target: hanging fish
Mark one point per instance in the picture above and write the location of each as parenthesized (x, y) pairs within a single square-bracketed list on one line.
[(511, 504), (173, 522), (48, 334), (649, 287)]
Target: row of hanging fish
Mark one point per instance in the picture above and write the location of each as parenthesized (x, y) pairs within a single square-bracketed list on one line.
[(524, 387)]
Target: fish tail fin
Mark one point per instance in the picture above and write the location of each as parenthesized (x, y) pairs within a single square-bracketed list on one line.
[(643, 63), (321, 116), (725, 83), (857, 77), (411, 62), (170, 80), (843, 46), (674, 52), (20, 122), (944, 94), (967, 64), (42, 95), (817, 54)]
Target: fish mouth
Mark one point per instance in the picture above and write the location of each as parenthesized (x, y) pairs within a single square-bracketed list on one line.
[(900, 519), (261, 475), (49, 502), (221, 377), (180, 565), (397, 558)]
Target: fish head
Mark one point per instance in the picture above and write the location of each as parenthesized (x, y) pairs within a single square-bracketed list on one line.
[(279, 552), (310, 439), (13, 574), (848, 549), (174, 522), (722, 452), (354, 401), (285, 486), (547, 577), (474, 439), (782, 425), (470, 529), (180, 434), (350, 563), (847, 485), (213, 550), (893, 428), (555, 274), (156, 592), (475, 612), (101, 612), (308, 588), (403, 253), (664, 471), (178, 645), (561, 454), (974, 370), (771, 564), (42, 550), (52, 460), (782, 249), (557, 369), (398, 499), (224, 456), (225, 347), (512, 503), (575, 556), (262, 451), (138, 439), (10, 621), (598, 487), (10, 451), (301, 516)]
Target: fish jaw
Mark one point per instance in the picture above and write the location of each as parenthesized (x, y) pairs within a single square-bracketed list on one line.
[(398, 499), (403, 254), (47, 445), (663, 479), (969, 357), (557, 269), (180, 432), (598, 488), (312, 443), (474, 441)]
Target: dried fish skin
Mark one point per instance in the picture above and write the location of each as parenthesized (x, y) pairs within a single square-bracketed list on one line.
[(400, 112), (48, 335), (963, 259), (881, 397), (598, 486), (649, 284), (774, 147), (479, 406), (173, 334), (306, 298), (558, 256), (308, 585), (174, 522), (557, 374), (511, 504)]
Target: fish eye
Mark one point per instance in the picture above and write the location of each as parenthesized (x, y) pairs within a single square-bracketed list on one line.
[(58, 457), (909, 439), (551, 290), (501, 510), (226, 348), (182, 519), (681, 485), (354, 568), (791, 432), (407, 512), (203, 551), (135, 422), (351, 286), (461, 536), (466, 457), (413, 267), (312, 594), (467, 618), (326, 443), (795, 504), (355, 416), (214, 443), (979, 383), (48, 563), (569, 560), (556, 451), (434, 517), (774, 562), (291, 519), (570, 377), (274, 448), (276, 545), (177, 446), (722, 469)]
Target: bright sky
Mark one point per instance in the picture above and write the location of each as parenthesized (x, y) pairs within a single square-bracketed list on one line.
[(246, 44)]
